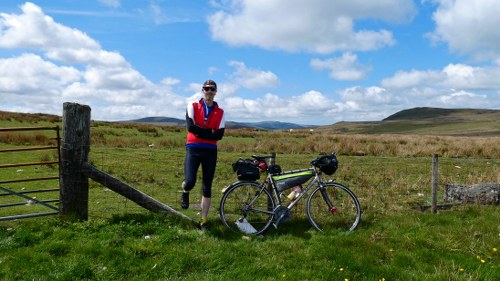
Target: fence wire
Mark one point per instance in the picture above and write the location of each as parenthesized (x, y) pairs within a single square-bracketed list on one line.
[(383, 184)]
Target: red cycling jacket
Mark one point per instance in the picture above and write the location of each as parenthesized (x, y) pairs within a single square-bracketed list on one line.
[(203, 131)]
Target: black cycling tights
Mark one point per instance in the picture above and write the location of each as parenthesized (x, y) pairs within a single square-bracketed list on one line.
[(207, 157)]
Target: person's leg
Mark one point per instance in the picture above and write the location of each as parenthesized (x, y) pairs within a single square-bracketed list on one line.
[(205, 206), (191, 165), (208, 168)]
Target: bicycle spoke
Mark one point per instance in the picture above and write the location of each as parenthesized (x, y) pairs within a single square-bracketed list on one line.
[(333, 207), (245, 207)]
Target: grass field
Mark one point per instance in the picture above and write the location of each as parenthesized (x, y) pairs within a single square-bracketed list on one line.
[(391, 174)]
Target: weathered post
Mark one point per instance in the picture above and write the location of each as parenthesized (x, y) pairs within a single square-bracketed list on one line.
[(74, 192), (434, 182)]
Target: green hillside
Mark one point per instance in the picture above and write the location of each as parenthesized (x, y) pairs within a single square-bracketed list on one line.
[(428, 121), (418, 121)]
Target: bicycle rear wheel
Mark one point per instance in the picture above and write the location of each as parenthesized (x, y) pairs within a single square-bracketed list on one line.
[(333, 207), (247, 207)]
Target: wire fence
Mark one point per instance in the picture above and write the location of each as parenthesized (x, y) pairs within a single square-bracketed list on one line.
[(382, 184)]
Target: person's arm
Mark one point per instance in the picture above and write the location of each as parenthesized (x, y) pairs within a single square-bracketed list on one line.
[(217, 134), (203, 133)]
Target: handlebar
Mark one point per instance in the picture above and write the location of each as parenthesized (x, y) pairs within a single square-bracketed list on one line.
[(264, 157), (314, 162)]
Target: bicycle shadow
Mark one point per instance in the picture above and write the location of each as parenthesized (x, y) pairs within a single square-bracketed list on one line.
[(296, 227)]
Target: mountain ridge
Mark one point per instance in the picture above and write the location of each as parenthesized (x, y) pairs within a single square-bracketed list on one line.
[(419, 121), (404, 117), (428, 121), (262, 125)]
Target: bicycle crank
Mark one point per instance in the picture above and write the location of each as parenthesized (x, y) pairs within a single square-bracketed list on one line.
[(282, 214)]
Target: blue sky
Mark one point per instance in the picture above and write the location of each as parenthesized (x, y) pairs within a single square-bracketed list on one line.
[(313, 62)]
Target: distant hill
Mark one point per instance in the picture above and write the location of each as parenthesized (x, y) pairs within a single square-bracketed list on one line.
[(166, 121), (264, 125), (442, 114), (416, 121), (428, 121)]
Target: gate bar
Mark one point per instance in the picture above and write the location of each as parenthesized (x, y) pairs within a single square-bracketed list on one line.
[(29, 148), (33, 179), (28, 129), (33, 191), (28, 164), (27, 216), (30, 198), (25, 203)]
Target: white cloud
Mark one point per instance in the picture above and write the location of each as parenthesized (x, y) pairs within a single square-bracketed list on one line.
[(30, 73), (64, 64), (454, 86), (252, 78), (345, 67), (106, 80), (33, 29), (452, 76), (413, 78), (308, 106), (384, 101), (359, 98), (321, 26), (468, 27)]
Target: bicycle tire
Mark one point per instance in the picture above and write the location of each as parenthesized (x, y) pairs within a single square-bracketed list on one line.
[(247, 200), (339, 210)]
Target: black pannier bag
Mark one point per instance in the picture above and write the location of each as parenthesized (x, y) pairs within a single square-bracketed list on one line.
[(246, 169), (328, 164), (290, 179)]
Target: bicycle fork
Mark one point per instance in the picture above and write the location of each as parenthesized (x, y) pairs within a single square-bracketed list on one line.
[(331, 208)]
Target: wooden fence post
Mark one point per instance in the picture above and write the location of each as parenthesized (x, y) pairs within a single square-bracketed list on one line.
[(74, 192), (434, 182)]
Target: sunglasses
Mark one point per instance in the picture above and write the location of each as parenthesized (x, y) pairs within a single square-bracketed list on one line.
[(207, 89)]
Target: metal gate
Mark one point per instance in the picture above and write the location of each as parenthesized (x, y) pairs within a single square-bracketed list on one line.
[(29, 172)]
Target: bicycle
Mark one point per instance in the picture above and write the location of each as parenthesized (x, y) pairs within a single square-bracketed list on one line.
[(252, 207)]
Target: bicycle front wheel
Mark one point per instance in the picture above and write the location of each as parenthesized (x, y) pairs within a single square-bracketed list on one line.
[(333, 207), (247, 207)]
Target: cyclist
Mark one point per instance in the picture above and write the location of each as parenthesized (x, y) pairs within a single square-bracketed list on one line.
[(205, 125)]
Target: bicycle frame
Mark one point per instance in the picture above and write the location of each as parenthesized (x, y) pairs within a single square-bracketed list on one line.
[(328, 203), (270, 182), (289, 206)]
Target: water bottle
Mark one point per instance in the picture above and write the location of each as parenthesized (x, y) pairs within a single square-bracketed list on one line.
[(295, 192)]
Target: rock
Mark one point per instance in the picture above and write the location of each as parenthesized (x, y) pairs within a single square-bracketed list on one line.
[(482, 193)]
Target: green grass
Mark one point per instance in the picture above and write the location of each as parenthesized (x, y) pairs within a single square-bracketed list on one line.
[(451, 245)]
